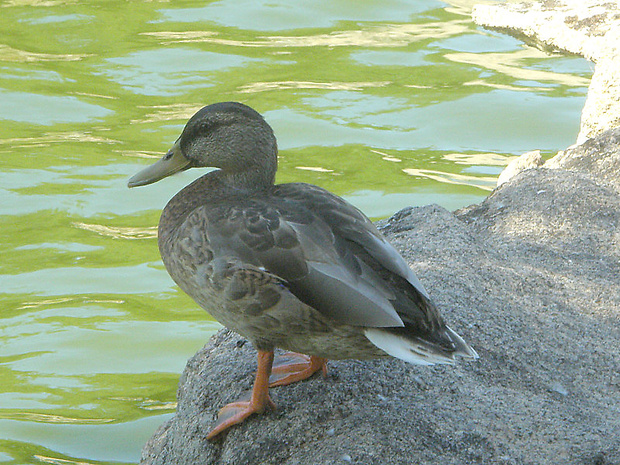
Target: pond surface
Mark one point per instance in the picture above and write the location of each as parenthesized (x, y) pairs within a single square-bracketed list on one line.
[(388, 104)]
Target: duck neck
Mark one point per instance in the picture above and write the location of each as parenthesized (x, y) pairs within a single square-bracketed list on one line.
[(248, 179), (252, 172)]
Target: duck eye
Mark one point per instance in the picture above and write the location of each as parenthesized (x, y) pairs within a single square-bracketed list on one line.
[(168, 155)]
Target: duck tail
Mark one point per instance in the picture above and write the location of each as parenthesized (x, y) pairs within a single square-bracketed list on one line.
[(420, 351)]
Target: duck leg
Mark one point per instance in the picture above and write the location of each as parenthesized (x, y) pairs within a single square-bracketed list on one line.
[(292, 367), (236, 412)]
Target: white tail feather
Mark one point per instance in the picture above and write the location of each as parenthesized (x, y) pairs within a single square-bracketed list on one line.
[(463, 349), (417, 351)]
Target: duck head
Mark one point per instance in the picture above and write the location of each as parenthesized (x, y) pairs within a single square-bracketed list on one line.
[(230, 136)]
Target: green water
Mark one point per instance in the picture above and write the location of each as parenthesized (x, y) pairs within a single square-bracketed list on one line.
[(388, 104)]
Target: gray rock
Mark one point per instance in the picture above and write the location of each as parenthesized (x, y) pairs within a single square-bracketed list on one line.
[(599, 157), (574, 26), (530, 277), (524, 162)]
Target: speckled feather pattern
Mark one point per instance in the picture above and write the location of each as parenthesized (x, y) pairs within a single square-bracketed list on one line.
[(289, 265), (247, 298)]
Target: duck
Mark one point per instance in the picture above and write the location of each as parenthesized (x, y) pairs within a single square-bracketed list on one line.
[(290, 266)]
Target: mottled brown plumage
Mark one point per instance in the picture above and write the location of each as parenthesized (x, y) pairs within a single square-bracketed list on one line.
[(290, 265)]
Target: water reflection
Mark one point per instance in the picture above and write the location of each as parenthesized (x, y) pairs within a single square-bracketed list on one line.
[(46, 418), (478, 159), (169, 71), (39, 3), (119, 232), (46, 139), (393, 35), (316, 169), (284, 85), (267, 15), (57, 461), (26, 107), (8, 53), (512, 64), (481, 182), (62, 300), (175, 112)]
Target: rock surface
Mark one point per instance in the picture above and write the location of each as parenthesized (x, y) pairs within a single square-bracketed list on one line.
[(530, 277), (590, 28), (599, 156), (526, 161)]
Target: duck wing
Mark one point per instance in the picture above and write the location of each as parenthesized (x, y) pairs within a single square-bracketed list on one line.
[(423, 338), (357, 241), (286, 240), (349, 223), (325, 251)]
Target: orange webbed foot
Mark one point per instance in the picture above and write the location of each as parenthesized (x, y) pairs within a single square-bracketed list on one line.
[(235, 412), (292, 367)]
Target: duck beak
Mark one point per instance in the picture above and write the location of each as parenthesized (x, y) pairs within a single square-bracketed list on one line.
[(173, 162)]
